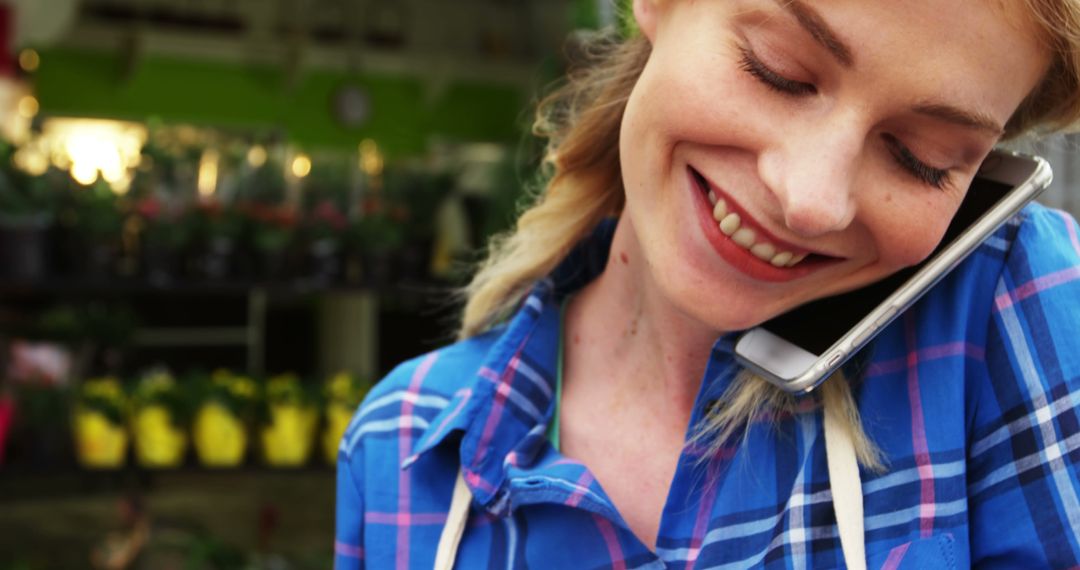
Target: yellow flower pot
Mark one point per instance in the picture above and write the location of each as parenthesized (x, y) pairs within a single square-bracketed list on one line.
[(99, 443), (220, 437), (337, 421), (287, 439), (158, 443)]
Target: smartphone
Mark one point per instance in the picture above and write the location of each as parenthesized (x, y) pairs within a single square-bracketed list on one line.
[(801, 348)]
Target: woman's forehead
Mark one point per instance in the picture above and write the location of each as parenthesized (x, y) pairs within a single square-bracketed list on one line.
[(919, 50)]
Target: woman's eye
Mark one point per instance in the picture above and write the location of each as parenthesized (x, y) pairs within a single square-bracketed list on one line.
[(936, 177), (752, 65)]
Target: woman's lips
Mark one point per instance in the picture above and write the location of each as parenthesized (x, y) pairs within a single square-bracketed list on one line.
[(743, 243)]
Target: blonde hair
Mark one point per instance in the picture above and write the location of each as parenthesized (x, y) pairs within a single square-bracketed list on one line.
[(580, 121), (1054, 105)]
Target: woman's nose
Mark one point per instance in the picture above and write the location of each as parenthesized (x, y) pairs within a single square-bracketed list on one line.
[(813, 176)]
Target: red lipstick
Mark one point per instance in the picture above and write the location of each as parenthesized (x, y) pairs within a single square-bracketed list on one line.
[(738, 256)]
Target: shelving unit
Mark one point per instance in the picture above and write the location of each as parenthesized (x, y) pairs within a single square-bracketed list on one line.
[(346, 318), (59, 503), (287, 513), (251, 336)]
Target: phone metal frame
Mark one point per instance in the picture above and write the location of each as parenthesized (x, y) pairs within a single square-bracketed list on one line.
[(801, 371)]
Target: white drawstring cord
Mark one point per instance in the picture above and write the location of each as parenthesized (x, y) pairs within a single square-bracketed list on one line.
[(846, 490), (455, 525), (843, 480)]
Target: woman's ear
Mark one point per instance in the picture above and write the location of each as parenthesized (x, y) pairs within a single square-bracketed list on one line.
[(645, 14)]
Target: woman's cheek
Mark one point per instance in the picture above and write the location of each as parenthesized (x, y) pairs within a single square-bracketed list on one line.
[(910, 239), (700, 99)]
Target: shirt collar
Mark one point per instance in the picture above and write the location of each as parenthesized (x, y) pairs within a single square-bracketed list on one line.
[(503, 414)]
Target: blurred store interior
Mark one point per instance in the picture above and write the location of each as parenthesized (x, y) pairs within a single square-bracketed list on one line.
[(220, 222)]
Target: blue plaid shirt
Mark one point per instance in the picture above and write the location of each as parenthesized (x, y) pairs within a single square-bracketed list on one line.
[(973, 395)]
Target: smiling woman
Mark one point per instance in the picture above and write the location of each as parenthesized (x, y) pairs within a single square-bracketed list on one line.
[(735, 160)]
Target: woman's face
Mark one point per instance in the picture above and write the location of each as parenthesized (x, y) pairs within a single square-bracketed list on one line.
[(840, 136)]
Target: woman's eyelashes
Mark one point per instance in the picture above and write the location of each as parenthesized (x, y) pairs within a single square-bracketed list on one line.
[(754, 66), (936, 177)]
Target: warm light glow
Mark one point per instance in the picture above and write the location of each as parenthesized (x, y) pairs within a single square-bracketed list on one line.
[(83, 173), (28, 106), (120, 186), (31, 160), (91, 148), (301, 165), (29, 60), (90, 155), (14, 124), (256, 156), (371, 160), (208, 173), (59, 158)]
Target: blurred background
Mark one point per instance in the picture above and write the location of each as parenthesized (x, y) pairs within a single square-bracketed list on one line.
[(220, 222)]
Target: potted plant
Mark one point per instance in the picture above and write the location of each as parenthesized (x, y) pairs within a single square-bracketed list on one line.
[(271, 230), (40, 428), (218, 228), (220, 426), (94, 223), (27, 206), (342, 393), (100, 418), (289, 418), (373, 239), (324, 227), (261, 196), (40, 359), (159, 420), (163, 237)]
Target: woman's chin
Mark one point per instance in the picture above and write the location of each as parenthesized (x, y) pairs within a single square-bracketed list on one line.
[(724, 309)]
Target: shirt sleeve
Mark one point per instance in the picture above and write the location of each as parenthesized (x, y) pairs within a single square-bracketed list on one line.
[(1024, 445), (349, 512)]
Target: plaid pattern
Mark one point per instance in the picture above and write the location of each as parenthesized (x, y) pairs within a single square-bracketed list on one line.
[(973, 396)]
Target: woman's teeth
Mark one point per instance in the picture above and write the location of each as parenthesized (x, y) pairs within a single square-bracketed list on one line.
[(731, 226)]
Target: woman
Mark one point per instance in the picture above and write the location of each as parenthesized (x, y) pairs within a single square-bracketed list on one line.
[(593, 407)]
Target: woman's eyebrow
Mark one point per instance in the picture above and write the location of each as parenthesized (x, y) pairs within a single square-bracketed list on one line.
[(811, 21), (815, 25), (960, 117)]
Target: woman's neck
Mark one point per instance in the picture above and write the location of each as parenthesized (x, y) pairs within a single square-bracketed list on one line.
[(621, 328)]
